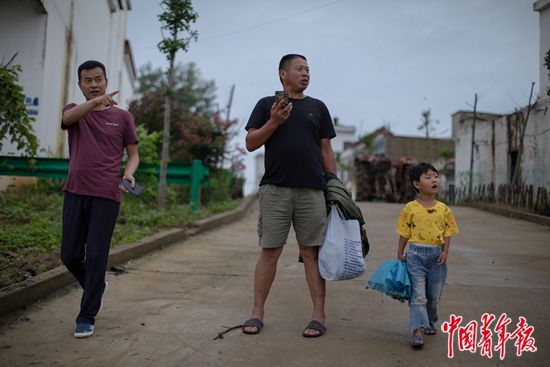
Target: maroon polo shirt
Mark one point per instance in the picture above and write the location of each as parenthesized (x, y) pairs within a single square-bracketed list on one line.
[(96, 147)]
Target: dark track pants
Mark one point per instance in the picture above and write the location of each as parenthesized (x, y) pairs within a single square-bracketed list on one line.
[(88, 224)]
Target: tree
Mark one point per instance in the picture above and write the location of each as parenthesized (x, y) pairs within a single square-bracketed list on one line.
[(193, 96), (192, 93), (428, 126), (205, 139), (15, 123), (177, 18), (197, 130)]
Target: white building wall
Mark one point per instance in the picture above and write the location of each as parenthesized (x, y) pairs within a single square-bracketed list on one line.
[(543, 7), (126, 87), (535, 163), (347, 158), (344, 134), (502, 158), (23, 31), (55, 86), (483, 172), (462, 136), (52, 38), (128, 77), (99, 34), (536, 160)]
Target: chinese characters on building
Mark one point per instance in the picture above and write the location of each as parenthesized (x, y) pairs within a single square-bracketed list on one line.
[(32, 105)]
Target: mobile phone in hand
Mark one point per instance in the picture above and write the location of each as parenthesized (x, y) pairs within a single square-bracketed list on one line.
[(136, 190), (281, 95)]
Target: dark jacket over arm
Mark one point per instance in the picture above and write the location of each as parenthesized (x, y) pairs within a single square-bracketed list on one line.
[(337, 192)]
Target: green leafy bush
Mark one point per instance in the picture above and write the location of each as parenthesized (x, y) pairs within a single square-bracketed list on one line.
[(219, 187), (30, 224), (15, 123)]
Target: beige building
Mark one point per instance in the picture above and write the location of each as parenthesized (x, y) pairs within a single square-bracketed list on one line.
[(397, 148), (422, 149)]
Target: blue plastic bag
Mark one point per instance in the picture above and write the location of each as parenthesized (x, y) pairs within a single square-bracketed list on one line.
[(391, 278)]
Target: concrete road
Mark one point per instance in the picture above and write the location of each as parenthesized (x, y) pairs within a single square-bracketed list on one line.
[(168, 307)]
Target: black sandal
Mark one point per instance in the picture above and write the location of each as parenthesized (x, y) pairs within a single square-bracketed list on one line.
[(430, 331), (417, 341), (314, 325), (253, 322)]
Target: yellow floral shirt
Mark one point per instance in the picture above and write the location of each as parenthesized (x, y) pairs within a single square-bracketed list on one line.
[(427, 226)]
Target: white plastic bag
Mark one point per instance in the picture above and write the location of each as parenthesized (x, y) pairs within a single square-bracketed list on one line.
[(341, 257)]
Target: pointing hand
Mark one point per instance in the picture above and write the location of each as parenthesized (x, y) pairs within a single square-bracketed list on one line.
[(107, 99)]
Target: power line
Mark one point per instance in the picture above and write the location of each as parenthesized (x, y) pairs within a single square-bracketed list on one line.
[(270, 22), (230, 33)]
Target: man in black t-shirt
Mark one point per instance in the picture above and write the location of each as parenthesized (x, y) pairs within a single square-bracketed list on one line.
[(298, 153)]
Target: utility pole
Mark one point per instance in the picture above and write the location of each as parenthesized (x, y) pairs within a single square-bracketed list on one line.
[(227, 116), (516, 179), (231, 92), (470, 184)]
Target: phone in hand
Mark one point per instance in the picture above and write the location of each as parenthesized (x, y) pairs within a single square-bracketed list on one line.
[(281, 95), (136, 190)]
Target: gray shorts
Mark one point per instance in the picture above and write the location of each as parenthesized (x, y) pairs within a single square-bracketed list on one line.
[(281, 206)]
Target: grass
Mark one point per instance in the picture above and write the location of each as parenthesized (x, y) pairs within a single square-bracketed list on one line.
[(30, 224)]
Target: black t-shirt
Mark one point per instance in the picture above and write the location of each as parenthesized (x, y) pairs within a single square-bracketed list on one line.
[(293, 152)]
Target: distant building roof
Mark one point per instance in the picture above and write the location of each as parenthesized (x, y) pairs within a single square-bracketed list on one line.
[(478, 112), (387, 132), (129, 59), (343, 128), (540, 5)]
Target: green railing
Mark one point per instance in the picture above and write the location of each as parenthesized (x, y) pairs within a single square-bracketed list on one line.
[(193, 174)]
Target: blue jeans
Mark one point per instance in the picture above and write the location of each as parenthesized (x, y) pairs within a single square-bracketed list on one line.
[(427, 280)]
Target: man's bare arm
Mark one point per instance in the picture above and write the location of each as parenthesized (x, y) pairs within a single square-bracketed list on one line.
[(327, 155), (76, 113), (131, 165), (133, 160)]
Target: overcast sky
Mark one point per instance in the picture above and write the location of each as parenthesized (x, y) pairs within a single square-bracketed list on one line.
[(373, 63)]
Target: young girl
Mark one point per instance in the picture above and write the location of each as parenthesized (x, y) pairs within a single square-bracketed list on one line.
[(427, 226)]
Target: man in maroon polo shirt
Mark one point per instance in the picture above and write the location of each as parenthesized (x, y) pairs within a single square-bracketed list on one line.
[(98, 134)]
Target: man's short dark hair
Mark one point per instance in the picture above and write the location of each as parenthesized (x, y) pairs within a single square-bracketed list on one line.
[(91, 64), (286, 59), (418, 170)]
